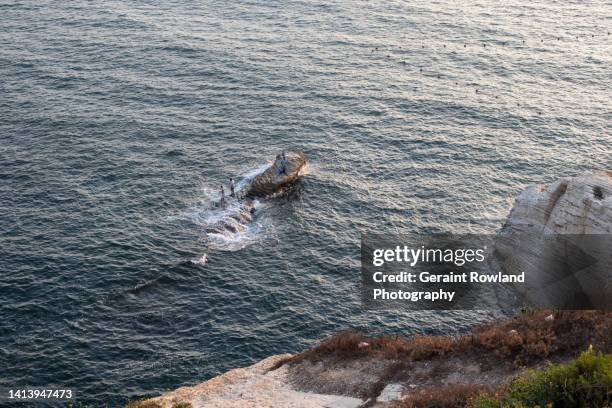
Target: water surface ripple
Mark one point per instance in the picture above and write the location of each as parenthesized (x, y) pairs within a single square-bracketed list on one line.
[(119, 119)]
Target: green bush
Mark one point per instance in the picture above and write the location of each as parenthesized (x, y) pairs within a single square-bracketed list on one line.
[(582, 383)]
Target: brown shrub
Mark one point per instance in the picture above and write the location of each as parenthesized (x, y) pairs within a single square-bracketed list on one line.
[(523, 339), (450, 396), (530, 337), (344, 344), (390, 347), (182, 405), (352, 345), (424, 347), (143, 404)]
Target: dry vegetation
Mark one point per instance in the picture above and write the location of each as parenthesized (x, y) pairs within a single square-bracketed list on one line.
[(143, 404), (153, 404), (580, 383), (495, 352), (524, 340), (451, 396)]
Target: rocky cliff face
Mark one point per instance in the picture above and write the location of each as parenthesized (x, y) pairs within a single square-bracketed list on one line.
[(571, 205), (559, 235)]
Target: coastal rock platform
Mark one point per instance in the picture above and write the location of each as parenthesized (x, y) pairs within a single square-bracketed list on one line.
[(254, 386)]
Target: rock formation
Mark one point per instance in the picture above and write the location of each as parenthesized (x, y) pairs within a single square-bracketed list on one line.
[(559, 235), (254, 386), (278, 175), (281, 173), (571, 205)]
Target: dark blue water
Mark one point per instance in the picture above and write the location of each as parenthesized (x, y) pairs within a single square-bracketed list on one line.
[(118, 120)]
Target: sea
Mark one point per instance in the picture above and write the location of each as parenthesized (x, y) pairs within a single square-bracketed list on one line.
[(120, 120)]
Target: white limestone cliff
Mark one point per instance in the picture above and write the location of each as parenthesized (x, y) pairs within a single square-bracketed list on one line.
[(559, 235), (571, 205), (252, 387)]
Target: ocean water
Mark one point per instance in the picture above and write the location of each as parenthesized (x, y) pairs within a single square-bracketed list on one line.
[(120, 119)]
